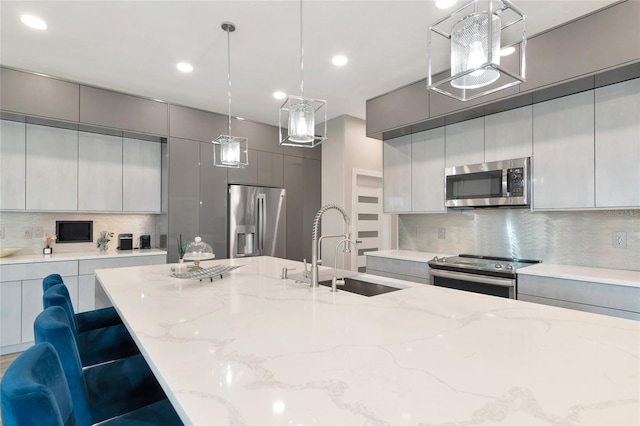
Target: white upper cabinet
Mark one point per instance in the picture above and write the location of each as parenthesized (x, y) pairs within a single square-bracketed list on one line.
[(508, 134), (427, 171), (141, 175), (99, 172), (563, 149), (617, 112), (12, 165), (465, 142), (52, 168), (396, 169)]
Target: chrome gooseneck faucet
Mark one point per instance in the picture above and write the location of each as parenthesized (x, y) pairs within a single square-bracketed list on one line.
[(347, 249), (315, 241)]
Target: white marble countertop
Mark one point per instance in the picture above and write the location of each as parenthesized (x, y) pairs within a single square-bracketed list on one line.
[(252, 348), (59, 257), (416, 256), (583, 273)]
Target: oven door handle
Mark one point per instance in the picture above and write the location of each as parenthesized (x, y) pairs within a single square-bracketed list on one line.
[(483, 279)]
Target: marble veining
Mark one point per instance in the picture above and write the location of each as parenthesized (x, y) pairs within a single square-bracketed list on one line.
[(256, 349)]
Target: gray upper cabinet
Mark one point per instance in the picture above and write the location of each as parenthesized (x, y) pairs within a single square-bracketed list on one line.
[(12, 165), (294, 185), (195, 124), (464, 142), (508, 134), (427, 171), (119, 111), (270, 169), (141, 175), (617, 144), (553, 57), (563, 148), (262, 137), (404, 106), (247, 175), (35, 95), (213, 202), (52, 168), (99, 172), (396, 169)]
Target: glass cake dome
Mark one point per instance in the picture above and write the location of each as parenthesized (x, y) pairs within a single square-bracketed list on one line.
[(198, 250)]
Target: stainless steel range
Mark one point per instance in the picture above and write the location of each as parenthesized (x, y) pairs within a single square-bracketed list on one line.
[(496, 276)]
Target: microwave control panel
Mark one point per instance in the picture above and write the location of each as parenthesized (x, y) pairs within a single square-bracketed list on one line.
[(515, 182)]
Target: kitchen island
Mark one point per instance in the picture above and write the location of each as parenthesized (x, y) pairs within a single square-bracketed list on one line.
[(253, 348)]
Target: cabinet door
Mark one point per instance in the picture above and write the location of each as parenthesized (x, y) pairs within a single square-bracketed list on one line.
[(12, 165), (270, 169), (99, 172), (213, 202), (427, 171), (294, 185), (32, 303), (184, 193), (508, 134), (10, 296), (247, 175), (617, 110), (396, 172), (52, 168), (404, 106), (563, 149), (464, 142), (86, 293), (141, 175)]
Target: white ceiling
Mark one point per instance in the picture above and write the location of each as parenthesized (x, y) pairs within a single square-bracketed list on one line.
[(133, 47)]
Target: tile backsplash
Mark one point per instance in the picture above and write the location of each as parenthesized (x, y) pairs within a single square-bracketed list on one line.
[(15, 223), (582, 238)]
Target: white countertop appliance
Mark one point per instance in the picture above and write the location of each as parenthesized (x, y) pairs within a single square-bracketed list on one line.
[(495, 276)]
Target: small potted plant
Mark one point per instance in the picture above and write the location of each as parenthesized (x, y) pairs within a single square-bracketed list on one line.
[(103, 242), (48, 240)]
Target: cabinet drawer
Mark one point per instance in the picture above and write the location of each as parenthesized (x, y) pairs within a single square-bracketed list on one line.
[(37, 270), (581, 307), (399, 276), (584, 292), (405, 268), (88, 266)]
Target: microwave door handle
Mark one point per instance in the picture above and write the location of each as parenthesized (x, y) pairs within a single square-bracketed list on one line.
[(505, 183), (482, 279)]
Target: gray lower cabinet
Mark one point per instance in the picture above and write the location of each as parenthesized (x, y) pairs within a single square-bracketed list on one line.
[(407, 270), (427, 171), (36, 95), (213, 202), (617, 144), (141, 175), (12, 165), (119, 111), (608, 299), (99, 172), (563, 148), (51, 168), (396, 169)]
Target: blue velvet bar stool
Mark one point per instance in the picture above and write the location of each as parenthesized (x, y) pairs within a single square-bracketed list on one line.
[(94, 345), (89, 320), (124, 391)]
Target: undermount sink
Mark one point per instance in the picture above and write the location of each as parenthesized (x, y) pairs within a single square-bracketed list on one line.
[(362, 287)]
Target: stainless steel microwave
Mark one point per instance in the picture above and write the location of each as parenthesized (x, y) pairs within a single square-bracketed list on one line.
[(498, 183)]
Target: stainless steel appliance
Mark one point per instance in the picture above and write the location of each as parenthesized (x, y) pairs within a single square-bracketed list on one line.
[(498, 183), (125, 241), (74, 231), (257, 221), (496, 276), (145, 241)]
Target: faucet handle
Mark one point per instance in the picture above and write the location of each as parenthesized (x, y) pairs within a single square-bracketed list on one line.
[(284, 275)]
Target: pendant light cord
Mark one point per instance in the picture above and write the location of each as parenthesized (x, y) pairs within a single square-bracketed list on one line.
[(301, 56), (229, 74)]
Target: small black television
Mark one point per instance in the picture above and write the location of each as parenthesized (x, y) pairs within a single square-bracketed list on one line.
[(74, 231)]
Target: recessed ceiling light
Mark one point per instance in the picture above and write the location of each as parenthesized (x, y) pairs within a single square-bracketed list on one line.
[(33, 22), (443, 4), (279, 95), (184, 67), (507, 51), (339, 60)]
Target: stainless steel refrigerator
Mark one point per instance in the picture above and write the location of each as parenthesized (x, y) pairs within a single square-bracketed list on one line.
[(257, 221)]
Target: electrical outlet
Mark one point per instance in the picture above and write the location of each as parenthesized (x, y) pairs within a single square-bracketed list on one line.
[(37, 232), (441, 233), (620, 239), (2, 233), (27, 233)]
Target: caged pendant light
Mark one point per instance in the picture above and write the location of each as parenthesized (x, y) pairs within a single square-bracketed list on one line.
[(476, 32), (230, 151), (300, 113)]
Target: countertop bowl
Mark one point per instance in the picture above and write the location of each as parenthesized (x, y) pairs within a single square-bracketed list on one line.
[(4, 252)]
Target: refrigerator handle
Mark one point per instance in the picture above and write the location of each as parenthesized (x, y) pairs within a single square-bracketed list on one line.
[(263, 223)]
